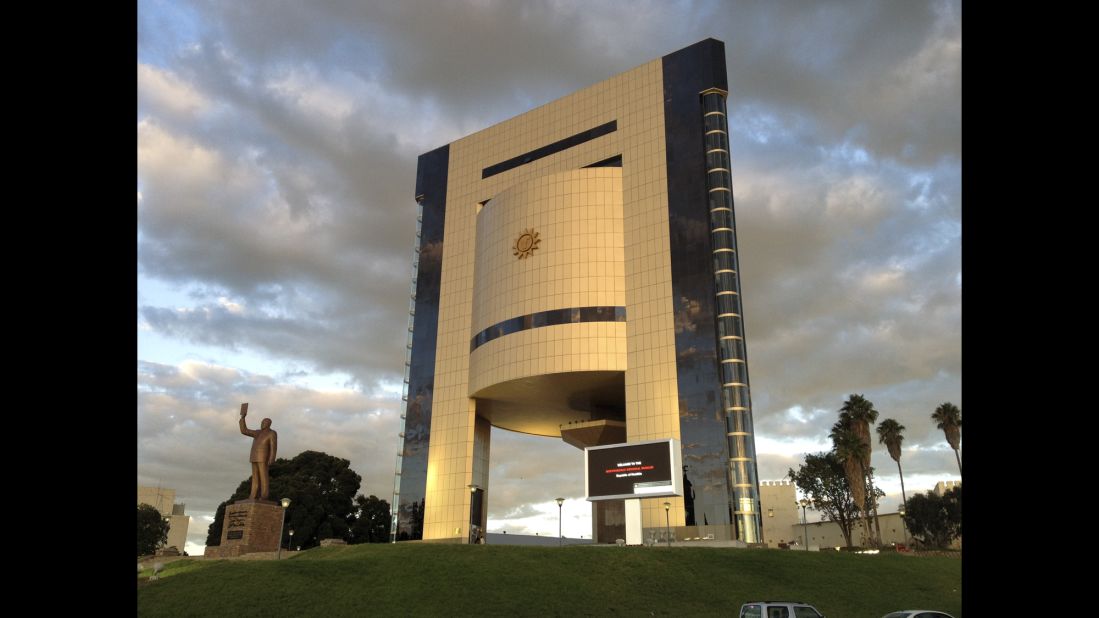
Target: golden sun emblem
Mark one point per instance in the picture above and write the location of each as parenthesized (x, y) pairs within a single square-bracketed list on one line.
[(526, 243)]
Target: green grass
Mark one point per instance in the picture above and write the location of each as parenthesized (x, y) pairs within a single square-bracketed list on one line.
[(493, 580)]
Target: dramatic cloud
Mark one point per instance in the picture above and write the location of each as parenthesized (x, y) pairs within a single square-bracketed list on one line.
[(277, 147)]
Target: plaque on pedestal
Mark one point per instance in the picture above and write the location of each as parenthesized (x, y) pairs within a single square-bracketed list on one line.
[(249, 526)]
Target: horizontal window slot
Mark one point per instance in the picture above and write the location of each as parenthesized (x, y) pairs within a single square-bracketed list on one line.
[(549, 149), (553, 317)]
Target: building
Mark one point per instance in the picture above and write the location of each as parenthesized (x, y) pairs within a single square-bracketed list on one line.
[(823, 534), (163, 500), (778, 505), (944, 486), (576, 277), (784, 523)]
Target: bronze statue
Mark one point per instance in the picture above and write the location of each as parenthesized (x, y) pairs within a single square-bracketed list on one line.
[(264, 444)]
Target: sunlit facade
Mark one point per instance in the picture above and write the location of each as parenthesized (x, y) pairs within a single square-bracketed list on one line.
[(576, 277)]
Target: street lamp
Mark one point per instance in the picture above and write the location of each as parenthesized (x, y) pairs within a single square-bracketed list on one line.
[(472, 492), (667, 523), (285, 505), (804, 526), (290, 544), (560, 538)]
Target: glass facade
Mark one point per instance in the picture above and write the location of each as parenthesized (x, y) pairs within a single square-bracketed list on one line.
[(410, 482), (702, 424), (715, 408), (736, 400)]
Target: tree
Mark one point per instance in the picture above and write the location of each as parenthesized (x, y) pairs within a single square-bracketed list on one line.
[(935, 521), (848, 450), (321, 489), (152, 530), (949, 419), (372, 519), (859, 415), (213, 533), (823, 480), (891, 434)]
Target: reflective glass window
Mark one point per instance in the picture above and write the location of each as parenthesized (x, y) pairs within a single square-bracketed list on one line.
[(727, 303), (724, 260), (721, 218)]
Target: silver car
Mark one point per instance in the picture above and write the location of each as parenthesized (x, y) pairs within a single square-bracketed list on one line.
[(779, 609), (918, 614)]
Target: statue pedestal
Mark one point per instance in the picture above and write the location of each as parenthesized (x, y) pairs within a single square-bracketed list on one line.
[(250, 526)]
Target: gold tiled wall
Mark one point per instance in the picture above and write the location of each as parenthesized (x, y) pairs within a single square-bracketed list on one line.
[(578, 263), (635, 99)]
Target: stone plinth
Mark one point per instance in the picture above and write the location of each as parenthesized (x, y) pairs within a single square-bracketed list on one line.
[(249, 526)]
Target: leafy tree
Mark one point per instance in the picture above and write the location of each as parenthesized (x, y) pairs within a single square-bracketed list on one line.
[(949, 419), (213, 533), (321, 489), (935, 521), (823, 480), (371, 520), (891, 434), (152, 530)]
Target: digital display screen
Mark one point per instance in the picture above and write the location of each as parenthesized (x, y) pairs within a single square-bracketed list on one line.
[(637, 470)]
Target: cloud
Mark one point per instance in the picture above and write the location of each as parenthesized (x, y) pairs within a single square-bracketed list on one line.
[(188, 438)]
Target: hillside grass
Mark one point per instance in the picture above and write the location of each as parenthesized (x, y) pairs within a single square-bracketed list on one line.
[(410, 579)]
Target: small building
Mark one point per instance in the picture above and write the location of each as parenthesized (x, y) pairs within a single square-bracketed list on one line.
[(163, 500)]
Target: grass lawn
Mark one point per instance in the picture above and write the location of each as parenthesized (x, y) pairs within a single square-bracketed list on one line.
[(477, 580)]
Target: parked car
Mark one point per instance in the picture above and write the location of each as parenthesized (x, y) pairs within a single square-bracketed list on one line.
[(779, 609), (918, 614)]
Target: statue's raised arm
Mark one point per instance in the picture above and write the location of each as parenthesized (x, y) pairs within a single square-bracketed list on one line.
[(243, 426)]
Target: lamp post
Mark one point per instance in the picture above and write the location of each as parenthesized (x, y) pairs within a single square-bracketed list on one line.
[(290, 544), (285, 505), (560, 539), (667, 523), (472, 492), (904, 528), (804, 526)]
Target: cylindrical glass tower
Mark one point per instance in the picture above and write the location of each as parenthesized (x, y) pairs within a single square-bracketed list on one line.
[(732, 352)]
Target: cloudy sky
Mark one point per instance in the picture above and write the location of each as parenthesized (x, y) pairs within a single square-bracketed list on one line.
[(277, 146)]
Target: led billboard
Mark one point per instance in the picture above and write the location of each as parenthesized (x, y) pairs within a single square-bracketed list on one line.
[(647, 469)]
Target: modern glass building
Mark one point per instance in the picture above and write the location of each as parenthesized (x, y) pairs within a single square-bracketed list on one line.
[(575, 276)]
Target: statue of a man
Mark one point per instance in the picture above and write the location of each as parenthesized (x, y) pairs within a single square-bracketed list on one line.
[(264, 444)]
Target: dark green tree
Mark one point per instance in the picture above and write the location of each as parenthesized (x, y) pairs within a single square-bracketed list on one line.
[(372, 519), (213, 533), (858, 415), (935, 521), (848, 449), (822, 478), (152, 530), (321, 489), (948, 417), (891, 434)]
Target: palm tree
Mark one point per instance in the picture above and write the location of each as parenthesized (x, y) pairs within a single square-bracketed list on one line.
[(949, 419), (859, 415), (890, 433), (849, 448)]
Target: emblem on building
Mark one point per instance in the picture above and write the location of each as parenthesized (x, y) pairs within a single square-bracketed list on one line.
[(526, 243)]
